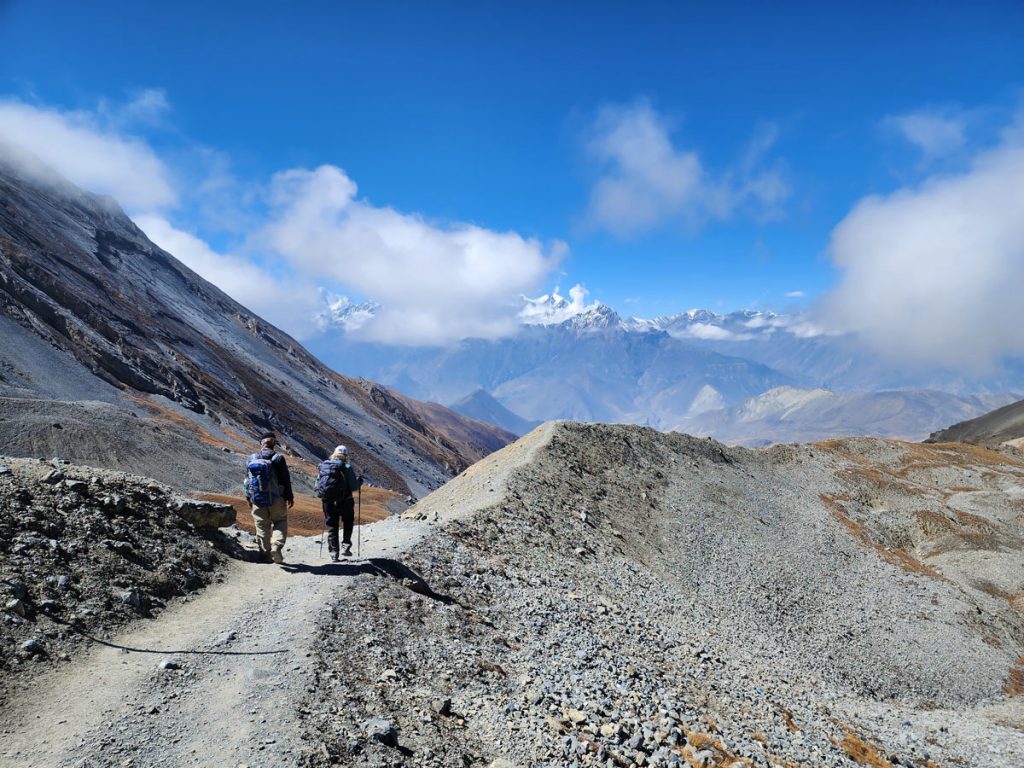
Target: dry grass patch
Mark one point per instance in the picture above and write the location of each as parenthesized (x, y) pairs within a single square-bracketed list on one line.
[(722, 756), (306, 517), (164, 413), (862, 752), (1015, 682), (860, 532)]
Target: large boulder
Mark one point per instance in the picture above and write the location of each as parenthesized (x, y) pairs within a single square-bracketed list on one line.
[(203, 514)]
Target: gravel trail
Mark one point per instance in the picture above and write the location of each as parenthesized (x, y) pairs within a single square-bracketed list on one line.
[(241, 656)]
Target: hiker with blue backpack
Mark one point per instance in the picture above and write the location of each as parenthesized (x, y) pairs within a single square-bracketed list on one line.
[(336, 483), (268, 487)]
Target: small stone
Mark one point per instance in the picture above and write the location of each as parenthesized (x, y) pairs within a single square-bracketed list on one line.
[(168, 664), (224, 639), (381, 730), (131, 598), (576, 716), (15, 606), (78, 486), (501, 762), (53, 477), (4, 470), (34, 646), (441, 706), (556, 723)]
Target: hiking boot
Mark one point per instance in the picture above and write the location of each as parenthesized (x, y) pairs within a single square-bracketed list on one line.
[(277, 557), (334, 557), (348, 550)]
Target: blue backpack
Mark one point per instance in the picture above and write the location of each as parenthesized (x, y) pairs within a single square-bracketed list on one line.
[(331, 481), (261, 486)]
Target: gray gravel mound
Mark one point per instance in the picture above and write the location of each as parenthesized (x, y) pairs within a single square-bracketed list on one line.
[(635, 598), (84, 551)]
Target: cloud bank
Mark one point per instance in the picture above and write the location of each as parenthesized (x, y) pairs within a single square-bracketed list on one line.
[(89, 151), (647, 181), (435, 284), (935, 273), (312, 239)]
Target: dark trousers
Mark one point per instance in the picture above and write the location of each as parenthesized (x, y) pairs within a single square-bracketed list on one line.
[(335, 510)]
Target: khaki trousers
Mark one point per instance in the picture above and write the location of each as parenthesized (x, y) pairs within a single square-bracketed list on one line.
[(271, 526)]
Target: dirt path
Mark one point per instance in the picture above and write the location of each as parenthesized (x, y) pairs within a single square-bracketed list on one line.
[(242, 649)]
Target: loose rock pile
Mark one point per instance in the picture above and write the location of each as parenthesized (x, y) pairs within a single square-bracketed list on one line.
[(85, 550), (638, 599)]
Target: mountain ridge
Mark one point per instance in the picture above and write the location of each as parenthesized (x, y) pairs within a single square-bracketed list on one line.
[(79, 278)]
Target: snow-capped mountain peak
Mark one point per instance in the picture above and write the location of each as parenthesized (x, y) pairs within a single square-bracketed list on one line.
[(342, 312), (554, 309), (597, 317)]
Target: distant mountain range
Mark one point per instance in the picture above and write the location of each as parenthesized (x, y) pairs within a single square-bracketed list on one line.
[(92, 311), (746, 376)]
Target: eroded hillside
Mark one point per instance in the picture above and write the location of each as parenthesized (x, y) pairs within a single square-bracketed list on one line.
[(623, 597)]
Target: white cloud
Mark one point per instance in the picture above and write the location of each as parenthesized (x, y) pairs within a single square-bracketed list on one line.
[(795, 294), (434, 283), (713, 333), (936, 273), (82, 147), (934, 132), (553, 308), (290, 303), (648, 181)]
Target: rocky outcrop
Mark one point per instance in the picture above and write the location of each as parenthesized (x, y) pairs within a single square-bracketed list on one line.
[(85, 550), (204, 514)]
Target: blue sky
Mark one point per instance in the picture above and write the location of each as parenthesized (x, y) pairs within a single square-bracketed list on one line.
[(664, 155)]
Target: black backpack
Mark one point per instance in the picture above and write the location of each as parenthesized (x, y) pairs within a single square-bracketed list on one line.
[(330, 481)]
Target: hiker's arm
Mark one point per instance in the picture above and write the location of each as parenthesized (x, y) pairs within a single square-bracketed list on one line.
[(284, 478), (355, 482)]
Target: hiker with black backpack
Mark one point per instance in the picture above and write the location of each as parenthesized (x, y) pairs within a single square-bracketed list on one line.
[(268, 487), (335, 484)]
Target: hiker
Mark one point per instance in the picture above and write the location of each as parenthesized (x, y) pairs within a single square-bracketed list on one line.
[(335, 484), (268, 487)]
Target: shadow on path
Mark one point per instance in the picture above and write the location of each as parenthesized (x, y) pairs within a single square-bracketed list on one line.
[(375, 566)]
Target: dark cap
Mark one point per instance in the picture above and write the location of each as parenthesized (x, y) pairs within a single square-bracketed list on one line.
[(266, 435)]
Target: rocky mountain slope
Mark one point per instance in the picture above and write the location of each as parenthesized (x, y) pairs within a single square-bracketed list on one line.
[(91, 310), (1001, 426), (619, 597)]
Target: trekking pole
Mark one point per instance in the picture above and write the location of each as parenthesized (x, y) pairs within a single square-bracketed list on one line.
[(322, 541), (359, 530)]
